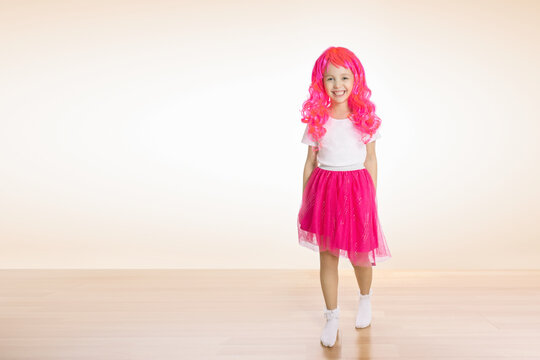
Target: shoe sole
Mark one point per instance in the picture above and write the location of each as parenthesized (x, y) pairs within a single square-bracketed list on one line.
[(362, 327)]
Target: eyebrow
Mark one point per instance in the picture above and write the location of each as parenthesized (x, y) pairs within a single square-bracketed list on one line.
[(341, 74)]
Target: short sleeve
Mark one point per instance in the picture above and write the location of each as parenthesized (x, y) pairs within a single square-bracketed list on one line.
[(375, 136), (306, 139)]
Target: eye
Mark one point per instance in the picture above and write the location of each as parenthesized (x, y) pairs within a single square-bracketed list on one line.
[(345, 77)]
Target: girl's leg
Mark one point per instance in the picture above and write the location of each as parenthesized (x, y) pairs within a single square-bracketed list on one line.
[(329, 284), (329, 278), (364, 277)]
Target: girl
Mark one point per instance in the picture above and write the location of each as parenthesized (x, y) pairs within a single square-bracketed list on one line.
[(338, 215)]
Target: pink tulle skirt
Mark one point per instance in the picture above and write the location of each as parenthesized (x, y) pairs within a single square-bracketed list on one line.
[(339, 214)]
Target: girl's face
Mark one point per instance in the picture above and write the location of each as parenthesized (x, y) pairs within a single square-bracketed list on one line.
[(338, 83)]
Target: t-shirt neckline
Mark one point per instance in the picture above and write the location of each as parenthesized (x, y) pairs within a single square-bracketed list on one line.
[(333, 118)]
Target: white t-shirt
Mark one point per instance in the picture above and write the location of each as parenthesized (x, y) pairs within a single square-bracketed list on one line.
[(342, 144)]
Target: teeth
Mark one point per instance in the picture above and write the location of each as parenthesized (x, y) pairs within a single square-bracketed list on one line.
[(339, 93)]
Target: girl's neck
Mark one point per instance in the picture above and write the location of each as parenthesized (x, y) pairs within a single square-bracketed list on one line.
[(340, 112)]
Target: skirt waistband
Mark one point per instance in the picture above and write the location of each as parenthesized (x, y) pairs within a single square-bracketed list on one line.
[(343, 168)]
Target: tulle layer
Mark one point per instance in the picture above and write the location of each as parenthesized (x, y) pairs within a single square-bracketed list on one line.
[(338, 214)]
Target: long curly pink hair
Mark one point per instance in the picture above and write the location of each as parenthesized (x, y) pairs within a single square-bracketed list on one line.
[(315, 110)]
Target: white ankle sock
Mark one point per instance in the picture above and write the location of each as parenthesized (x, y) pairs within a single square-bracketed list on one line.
[(363, 317), (329, 334)]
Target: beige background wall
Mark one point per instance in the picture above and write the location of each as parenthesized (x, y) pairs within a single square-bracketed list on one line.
[(166, 134)]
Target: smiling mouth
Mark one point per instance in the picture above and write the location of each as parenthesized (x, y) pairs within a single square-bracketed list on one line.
[(339, 93)]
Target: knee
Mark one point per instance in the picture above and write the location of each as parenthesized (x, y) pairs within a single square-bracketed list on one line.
[(361, 261), (328, 258), (362, 267)]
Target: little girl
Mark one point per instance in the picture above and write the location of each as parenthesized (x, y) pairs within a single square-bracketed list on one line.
[(338, 215)]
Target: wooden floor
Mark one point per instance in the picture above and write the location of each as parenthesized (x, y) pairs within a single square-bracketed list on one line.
[(265, 314)]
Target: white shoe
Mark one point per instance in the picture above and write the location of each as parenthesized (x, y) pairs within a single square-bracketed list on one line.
[(363, 317), (330, 331)]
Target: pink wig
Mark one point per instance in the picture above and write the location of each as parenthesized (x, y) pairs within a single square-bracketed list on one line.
[(315, 110)]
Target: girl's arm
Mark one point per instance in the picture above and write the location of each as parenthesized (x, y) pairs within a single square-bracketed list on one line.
[(311, 163), (371, 162)]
